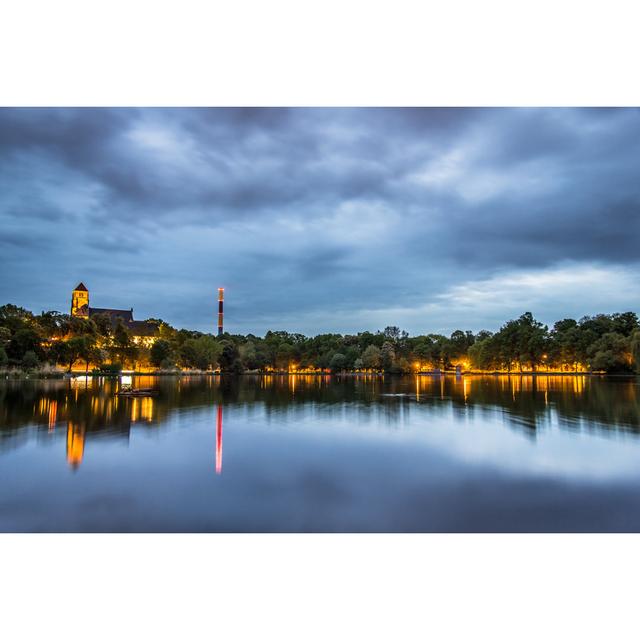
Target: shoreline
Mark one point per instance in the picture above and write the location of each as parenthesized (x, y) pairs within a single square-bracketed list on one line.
[(21, 375)]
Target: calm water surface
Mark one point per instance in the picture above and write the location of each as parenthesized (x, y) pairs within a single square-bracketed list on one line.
[(307, 453)]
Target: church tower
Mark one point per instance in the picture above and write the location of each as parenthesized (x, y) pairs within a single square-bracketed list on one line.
[(80, 301)]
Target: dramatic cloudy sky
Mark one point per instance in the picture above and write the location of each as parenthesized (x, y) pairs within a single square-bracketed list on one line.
[(321, 220)]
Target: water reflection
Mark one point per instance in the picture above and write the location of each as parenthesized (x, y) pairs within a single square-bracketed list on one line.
[(219, 440), (75, 444), (91, 408), (305, 453)]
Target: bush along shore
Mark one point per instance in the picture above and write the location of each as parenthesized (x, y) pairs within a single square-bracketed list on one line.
[(52, 344)]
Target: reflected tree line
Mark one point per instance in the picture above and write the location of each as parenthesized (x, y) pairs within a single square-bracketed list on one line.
[(89, 409)]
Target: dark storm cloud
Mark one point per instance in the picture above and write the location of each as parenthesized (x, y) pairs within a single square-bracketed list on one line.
[(16, 240), (317, 219)]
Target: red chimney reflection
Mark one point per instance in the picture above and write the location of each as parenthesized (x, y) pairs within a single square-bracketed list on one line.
[(219, 440)]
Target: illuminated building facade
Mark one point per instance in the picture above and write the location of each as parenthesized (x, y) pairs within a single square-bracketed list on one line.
[(80, 302), (144, 333)]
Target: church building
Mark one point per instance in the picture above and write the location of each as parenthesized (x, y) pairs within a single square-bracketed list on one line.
[(144, 333)]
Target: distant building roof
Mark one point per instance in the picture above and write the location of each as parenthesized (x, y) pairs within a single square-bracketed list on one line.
[(137, 327), (81, 287), (114, 314)]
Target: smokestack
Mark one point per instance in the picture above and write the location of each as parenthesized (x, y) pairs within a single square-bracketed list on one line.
[(220, 310)]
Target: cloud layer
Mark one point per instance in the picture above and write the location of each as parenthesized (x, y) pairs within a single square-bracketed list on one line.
[(323, 219)]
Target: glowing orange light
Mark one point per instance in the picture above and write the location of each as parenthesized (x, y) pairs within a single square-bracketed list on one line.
[(75, 444), (53, 412), (134, 410), (146, 409)]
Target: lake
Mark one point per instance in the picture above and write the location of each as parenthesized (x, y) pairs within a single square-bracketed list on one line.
[(321, 454)]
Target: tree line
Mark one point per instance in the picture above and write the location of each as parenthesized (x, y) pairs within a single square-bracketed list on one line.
[(604, 342)]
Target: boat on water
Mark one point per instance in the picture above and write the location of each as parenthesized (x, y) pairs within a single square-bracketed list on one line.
[(137, 393)]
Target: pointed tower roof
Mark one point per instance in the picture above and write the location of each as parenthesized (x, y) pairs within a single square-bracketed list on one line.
[(81, 287)]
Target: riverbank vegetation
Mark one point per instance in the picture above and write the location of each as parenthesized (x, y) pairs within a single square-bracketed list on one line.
[(55, 341)]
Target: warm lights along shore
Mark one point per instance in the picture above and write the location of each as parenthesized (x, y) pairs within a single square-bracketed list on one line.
[(53, 343)]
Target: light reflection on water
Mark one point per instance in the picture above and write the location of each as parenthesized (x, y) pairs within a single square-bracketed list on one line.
[(316, 453)]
